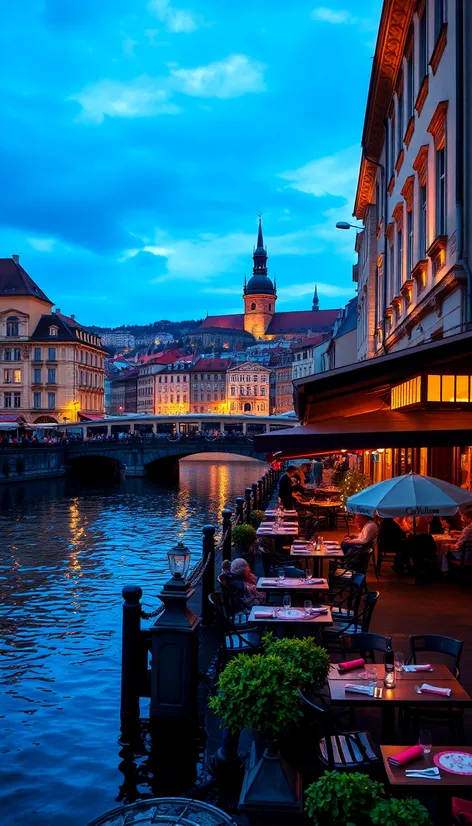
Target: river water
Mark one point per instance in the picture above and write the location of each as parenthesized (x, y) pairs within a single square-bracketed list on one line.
[(66, 550)]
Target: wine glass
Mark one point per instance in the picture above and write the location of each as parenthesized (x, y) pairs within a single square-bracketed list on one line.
[(308, 575), (399, 660), (372, 675), (308, 605), (287, 602), (281, 577), (425, 740)]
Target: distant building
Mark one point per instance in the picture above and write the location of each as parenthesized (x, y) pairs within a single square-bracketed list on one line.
[(173, 387), (120, 339), (217, 338), (342, 346), (281, 383), (208, 385), (260, 319), (52, 367), (248, 389), (124, 393), (303, 356)]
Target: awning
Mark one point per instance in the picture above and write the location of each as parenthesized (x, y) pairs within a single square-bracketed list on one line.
[(9, 425), (91, 417), (383, 428), (11, 417)]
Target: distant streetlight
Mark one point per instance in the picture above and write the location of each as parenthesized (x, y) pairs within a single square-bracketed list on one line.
[(345, 225)]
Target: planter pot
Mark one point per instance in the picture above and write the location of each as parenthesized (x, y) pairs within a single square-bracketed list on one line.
[(270, 784), (227, 757)]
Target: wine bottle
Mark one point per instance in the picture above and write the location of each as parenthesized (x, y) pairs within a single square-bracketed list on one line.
[(389, 658)]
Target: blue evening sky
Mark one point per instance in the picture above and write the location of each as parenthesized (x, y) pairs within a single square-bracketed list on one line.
[(141, 138)]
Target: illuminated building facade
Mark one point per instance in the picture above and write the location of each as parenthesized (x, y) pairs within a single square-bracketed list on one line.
[(249, 389)]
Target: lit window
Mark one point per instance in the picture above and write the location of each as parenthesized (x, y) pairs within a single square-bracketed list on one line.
[(53, 331), (447, 389), (406, 393)]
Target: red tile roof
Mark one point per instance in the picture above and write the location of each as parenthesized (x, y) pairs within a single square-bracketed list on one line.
[(228, 322), (310, 341), (205, 364), (302, 320), (162, 358)]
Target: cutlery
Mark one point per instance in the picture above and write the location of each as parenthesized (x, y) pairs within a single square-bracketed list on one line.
[(418, 689)]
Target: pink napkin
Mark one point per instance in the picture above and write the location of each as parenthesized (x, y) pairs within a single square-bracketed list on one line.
[(347, 666), (433, 689), (316, 611), (406, 756), (426, 667), (263, 614), (268, 582)]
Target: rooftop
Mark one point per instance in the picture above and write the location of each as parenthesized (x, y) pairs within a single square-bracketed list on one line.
[(14, 280)]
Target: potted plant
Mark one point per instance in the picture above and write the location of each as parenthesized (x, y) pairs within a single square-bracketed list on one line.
[(352, 483), (256, 518), (244, 537), (261, 692), (393, 812), (310, 659), (342, 799)]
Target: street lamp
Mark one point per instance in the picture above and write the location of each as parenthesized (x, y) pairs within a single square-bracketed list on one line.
[(345, 225), (179, 560)]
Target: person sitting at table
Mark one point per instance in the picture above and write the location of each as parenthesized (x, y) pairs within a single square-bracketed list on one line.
[(244, 583), (392, 539), (286, 486), (368, 532), (464, 543)]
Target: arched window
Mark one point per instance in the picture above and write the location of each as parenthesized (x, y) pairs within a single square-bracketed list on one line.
[(253, 305), (247, 407), (12, 326), (270, 308), (53, 331)]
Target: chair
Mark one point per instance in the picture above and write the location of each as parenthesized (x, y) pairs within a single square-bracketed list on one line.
[(233, 640), (435, 643), (235, 609), (459, 566), (351, 620), (452, 649), (340, 750), (389, 542), (354, 562), (289, 571), (364, 643), (345, 600)]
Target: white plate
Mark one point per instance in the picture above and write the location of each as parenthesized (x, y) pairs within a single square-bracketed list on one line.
[(291, 613), (455, 762)]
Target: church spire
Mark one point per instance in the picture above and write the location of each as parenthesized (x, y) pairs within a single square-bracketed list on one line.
[(260, 253), (316, 300)]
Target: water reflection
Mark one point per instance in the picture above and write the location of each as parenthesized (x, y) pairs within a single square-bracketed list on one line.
[(65, 553)]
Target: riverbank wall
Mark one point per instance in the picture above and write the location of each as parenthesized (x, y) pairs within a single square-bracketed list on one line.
[(18, 464)]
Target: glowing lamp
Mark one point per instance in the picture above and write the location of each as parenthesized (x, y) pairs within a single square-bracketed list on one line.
[(179, 560)]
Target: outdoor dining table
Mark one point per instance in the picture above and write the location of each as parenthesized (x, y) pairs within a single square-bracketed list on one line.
[(286, 623), (449, 782), (403, 695), (327, 509), (439, 672), (272, 584), (269, 529), (444, 544), (318, 555)]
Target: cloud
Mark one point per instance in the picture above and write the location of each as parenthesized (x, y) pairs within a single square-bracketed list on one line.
[(330, 175), (177, 21), (232, 77), (42, 244), (143, 97), (326, 15), (328, 290)]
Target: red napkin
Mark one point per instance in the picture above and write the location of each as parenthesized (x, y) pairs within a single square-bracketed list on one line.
[(263, 614), (347, 666), (462, 810), (406, 756)]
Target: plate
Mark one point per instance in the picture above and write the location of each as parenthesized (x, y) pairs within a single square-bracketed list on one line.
[(292, 613), (455, 762)]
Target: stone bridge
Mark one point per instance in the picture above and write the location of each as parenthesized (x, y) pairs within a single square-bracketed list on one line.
[(135, 456)]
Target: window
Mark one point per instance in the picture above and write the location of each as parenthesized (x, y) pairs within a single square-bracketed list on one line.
[(52, 354), (406, 393), (440, 16), (400, 122), (16, 354), (410, 85), (7, 353), (36, 400), (391, 163), (12, 376), (17, 400), (422, 221), (52, 375), (449, 389), (262, 391), (51, 401), (409, 249), (441, 191), (7, 400), (253, 306), (12, 326), (423, 45), (399, 260), (53, 331), (37, 375)]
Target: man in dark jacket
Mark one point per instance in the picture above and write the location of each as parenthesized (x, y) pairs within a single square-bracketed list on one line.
[(286, 488)]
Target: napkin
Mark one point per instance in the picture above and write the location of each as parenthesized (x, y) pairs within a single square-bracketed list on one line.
[(358, 689), (263, 614), (426, 667), (434, 689), (300, 551), (268, 582), (316, 611), (350, 664), (406, 756)]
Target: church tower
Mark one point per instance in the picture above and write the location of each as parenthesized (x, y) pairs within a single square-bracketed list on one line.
[(316, 300), (259, 293)]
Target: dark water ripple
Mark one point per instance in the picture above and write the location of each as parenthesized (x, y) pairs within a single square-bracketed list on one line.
[(65, 553)]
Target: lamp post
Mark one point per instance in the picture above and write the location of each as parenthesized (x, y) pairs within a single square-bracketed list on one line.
[(346, 225)]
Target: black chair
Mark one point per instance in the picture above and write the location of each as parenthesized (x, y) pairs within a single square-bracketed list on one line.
[(354, 562), (451, 649), (390, 543), (463, 565), (364, 643), (233, 639), (436, 644), (359, 622), (343, 598), (339, 750), (235, 609)]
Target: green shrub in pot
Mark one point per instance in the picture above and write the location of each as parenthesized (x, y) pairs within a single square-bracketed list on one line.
[(342, 799), (393, 812), (244, 537), (304, 655), (256, 518)]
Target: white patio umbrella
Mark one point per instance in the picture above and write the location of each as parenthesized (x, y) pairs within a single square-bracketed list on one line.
[(410, 495)]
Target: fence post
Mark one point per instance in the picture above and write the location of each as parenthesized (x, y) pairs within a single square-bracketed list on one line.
[(267, 487), (247, 497), (131, 653), (270, 480), (240, 509), (264, 491), (208, 578), (255, 496), (260, 496), (226, 514)]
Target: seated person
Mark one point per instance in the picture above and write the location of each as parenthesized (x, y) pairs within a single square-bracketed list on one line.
[(464, 543), (368, 532), (392, 540), (244, 583), (286, 485)]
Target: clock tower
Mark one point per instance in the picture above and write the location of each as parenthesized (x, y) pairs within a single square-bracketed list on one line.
[(260, 294)]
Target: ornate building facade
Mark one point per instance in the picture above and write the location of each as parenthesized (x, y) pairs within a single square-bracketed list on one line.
[(248, 389), (52, 368)]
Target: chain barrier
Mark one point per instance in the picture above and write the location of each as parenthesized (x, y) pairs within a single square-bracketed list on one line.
[(150, 614)]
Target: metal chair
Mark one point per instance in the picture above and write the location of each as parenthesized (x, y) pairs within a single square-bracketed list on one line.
[(235, 609), (356, 623), (233, 639), (436, 644), (340, 750), (364, 643)]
